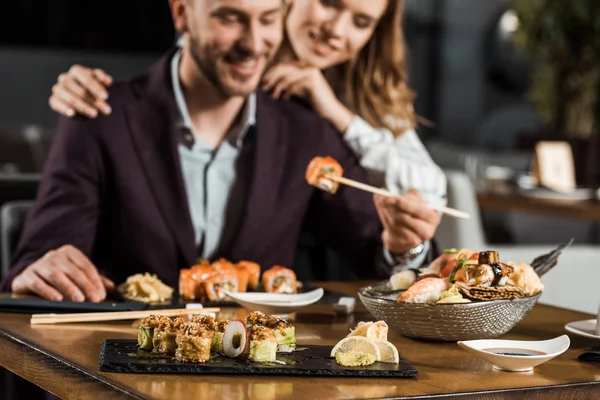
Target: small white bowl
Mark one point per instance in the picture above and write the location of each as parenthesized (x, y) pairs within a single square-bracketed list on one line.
[(276, 303), (517, 359)]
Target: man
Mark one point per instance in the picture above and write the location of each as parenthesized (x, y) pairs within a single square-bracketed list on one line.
[(193, 162)]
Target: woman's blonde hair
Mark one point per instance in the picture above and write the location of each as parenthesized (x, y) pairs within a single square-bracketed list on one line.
[(374, 84)]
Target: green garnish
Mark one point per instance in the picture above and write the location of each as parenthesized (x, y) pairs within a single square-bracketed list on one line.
[(460, 263), (451, 251)]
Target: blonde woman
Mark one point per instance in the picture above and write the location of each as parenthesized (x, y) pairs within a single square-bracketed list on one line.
[(347, 59)]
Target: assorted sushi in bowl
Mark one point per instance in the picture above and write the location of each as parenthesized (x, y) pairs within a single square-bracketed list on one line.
[(462, 295), (464, 276)]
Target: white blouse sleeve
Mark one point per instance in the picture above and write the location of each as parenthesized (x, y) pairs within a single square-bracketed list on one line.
[(398, 164)]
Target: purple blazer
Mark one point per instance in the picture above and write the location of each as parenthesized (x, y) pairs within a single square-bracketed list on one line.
[(113, 188)]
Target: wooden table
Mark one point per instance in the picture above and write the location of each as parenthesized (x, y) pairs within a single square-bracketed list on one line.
[(511, 201), (63, 359)]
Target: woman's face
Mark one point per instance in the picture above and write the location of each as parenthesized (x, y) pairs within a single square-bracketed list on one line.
[(324, 33)]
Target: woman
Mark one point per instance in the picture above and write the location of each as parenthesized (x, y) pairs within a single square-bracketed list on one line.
[(347, 59)]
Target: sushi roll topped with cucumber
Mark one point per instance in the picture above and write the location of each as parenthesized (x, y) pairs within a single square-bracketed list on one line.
[(146, 330), (285, 332), (257, 338), (262, 345), (194, 342), (164, 335), (206, 320)]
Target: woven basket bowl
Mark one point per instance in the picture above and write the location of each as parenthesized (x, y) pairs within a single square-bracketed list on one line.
[(445, 322)]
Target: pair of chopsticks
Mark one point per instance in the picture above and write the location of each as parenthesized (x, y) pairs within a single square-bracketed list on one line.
[(39, 319), (372, 189)]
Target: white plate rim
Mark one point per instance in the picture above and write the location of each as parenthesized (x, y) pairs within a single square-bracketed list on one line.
[(477, 344), (243, 297), (547, 194), (570, 328)]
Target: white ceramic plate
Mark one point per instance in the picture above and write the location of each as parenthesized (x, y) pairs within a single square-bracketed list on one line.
[(543, 193), (275, 303), (586, 328), (511, 355)]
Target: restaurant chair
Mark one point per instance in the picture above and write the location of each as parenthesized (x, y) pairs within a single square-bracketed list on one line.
[(12, 219), (572, 283)]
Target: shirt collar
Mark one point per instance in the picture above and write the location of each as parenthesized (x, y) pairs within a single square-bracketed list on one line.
[(237, 132)]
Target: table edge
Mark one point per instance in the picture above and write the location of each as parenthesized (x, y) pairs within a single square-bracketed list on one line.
[(456, 395), (49, 354)]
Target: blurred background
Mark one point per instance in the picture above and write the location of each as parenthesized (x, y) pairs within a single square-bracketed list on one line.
[(493, 78), (484, 72)]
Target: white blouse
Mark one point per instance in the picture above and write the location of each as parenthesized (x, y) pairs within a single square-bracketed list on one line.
[(397, 164)]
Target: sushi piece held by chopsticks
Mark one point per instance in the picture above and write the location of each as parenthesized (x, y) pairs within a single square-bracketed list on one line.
[(326, 173), (321, 171)]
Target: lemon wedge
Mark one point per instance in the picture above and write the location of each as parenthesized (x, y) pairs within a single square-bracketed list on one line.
[(387, 351), (356, 344)]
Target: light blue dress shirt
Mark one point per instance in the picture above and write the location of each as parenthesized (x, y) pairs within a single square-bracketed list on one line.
[(215, 180)]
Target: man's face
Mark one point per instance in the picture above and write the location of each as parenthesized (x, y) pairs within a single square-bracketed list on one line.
[(232, 41)]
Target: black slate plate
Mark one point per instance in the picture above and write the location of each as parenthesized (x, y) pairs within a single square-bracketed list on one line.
[(115, 303), (116, 356), (39, 306)]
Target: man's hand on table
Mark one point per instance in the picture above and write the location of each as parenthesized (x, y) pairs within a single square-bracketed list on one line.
[(63, 274), (407, 221)]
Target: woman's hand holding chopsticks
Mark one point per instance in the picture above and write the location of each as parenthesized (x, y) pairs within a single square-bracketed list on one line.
[(407, 221)]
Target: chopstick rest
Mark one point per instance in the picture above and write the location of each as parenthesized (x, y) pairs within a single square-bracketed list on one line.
[(199, 308), (344, 306)]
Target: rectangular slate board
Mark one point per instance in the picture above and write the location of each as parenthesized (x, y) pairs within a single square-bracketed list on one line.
[(314, 361), (40, 306)]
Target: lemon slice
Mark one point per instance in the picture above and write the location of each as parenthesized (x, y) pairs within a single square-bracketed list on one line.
[(356, 344), (388, 352)]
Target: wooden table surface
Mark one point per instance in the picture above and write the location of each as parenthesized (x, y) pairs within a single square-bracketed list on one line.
[(63, 359), (511, 201)]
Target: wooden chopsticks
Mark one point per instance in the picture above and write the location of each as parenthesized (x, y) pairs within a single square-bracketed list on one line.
[(38, 319), (368, 188)]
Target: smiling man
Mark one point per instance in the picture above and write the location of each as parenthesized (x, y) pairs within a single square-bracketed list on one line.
[(192, 162)]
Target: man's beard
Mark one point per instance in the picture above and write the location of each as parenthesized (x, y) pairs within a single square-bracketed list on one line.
[(207, 65)]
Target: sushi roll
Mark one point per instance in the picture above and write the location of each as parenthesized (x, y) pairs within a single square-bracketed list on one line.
[(319, 168), (261, 345), (211, 324), (285, 333), (188, 286), (193, 343), (255, 318), (225, 266), (215, 286), (253, 272), (146, 331), (204, 319), (165, 334), (234, 338), (279, 279), (217, 344)]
